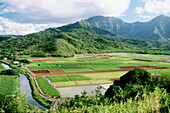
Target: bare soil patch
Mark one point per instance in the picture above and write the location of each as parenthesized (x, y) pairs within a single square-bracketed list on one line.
[(142, 67), (40, 71)]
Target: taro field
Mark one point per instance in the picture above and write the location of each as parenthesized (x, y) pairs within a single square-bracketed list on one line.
[(93, 69)]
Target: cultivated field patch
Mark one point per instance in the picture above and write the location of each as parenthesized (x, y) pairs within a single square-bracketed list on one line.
[(108, 75), (57, 78), (77, 77), (63, 84), (46, 87)]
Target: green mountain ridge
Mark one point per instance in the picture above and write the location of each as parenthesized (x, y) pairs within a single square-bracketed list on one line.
[(6, 37), (78, 38), (156, 29)]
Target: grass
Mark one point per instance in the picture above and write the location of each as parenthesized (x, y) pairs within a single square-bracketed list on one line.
[(62, 84), (57, 78), (165, 72), (1, 67), (83, 82), (8, 84), (77, 77), (105, 75), (46, 87), (104, 67), (44, 67), (100, 81), (77, 70)]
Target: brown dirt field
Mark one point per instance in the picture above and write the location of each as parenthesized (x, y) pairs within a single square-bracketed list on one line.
[(115, 79), (40, 71), (142, 67), (43, 74)]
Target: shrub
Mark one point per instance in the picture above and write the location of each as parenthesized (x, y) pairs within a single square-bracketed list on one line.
[(10, 72)]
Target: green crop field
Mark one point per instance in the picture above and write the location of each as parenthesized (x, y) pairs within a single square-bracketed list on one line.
[(107, 75), (100, 81), (61, 84), (77, 77), (83, 82), (46, 87), (97, 62), (44, 67), (165, 72), (57, 78), (8, 84)]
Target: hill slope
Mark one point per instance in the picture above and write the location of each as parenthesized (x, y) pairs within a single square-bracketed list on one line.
[(156, 29), (6, 37), (81, 37)]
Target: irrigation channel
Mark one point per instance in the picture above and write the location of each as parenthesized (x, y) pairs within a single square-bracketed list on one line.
[(26, 89)]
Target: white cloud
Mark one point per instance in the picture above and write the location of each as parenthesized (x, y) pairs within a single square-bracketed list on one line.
[(45, 11), (155, 6), (139, 10), (146, 16), (13, 28), (1, 28)]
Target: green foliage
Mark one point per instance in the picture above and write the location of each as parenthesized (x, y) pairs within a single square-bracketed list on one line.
[(133, 82), (16, 104), (47, 88), (77, 77), (8, 84), (136, 76), (12, 72), (1, 67), (150, 102), (81, 37), (26, 61)]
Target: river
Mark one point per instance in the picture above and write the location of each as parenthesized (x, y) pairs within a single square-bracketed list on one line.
[(26, 89)]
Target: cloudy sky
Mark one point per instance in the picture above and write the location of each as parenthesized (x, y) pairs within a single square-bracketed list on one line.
[(22, 17)]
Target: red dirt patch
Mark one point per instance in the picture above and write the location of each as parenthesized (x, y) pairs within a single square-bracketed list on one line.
[(142, 67), (115, 79), (40, 71)]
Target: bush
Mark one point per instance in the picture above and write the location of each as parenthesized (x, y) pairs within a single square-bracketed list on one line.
[(136, 76), (10, 72), (25, 61), (135, 82)]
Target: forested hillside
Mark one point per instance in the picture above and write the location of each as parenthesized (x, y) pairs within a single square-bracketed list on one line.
[(81, 37), (6, 37)]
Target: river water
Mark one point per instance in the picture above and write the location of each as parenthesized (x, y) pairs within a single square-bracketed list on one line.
[(26, 89)]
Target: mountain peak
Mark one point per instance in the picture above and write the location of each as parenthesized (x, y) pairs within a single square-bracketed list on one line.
[(160, 17)]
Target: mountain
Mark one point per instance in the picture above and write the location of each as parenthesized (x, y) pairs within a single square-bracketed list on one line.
[(6, 37), (80, 37), (156, 29)]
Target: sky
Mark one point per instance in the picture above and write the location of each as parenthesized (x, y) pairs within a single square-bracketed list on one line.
[(21, 17)]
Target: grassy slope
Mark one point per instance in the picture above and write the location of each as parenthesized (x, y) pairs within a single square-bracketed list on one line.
[(1, 68), (8, 84), (46, 87)]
